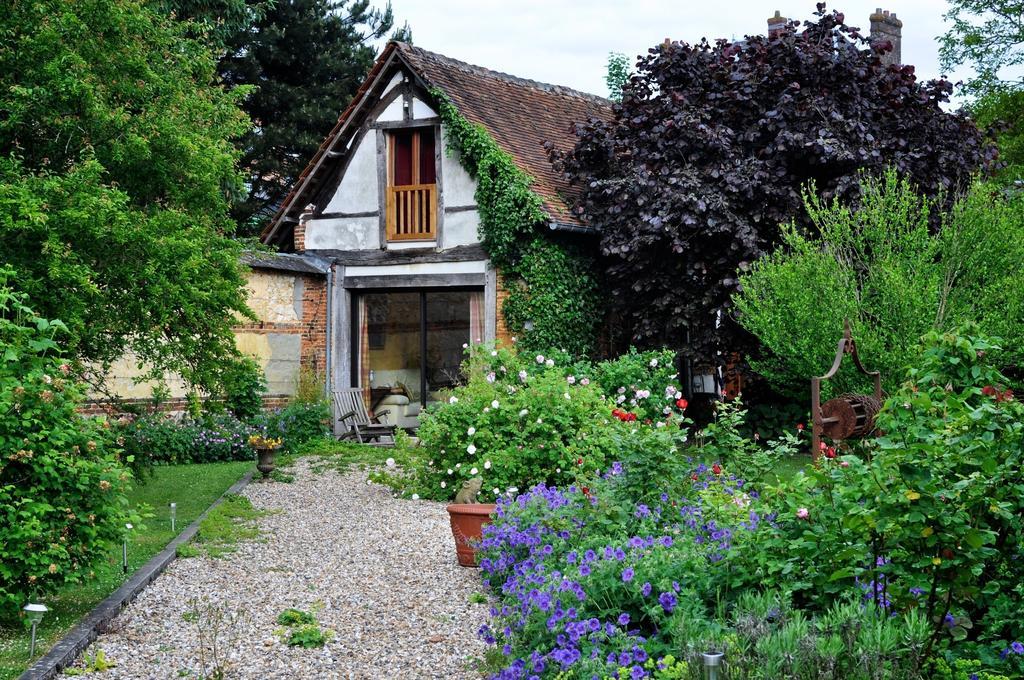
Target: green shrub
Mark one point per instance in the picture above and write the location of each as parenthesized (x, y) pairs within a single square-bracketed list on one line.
[(297, 423), (932, 514), (643, 382), (165, 439), (244, 385), (62, 487), (884, 267)]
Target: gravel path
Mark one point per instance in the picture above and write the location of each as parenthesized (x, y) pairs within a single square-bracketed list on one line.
[(378, 572)]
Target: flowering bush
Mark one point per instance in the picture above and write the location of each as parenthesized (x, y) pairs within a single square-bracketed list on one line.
[(905, 562), (164, 439), (593, 585), (62, 487), (644, 383), (523, 420)]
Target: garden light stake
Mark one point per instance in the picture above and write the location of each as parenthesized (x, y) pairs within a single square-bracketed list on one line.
[(35, 615)]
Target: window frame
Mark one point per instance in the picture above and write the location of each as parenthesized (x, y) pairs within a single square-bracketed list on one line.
[(433, 210)]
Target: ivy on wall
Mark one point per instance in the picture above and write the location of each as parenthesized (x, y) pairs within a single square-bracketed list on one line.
[(550, 285)]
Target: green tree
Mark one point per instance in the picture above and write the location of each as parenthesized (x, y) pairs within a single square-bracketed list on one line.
[(115, 186), (617, 75), (881, 266), (988, 35), (306, 59), (1001, 110)]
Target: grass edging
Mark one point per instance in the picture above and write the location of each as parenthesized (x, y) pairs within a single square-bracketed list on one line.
[(66, 650)]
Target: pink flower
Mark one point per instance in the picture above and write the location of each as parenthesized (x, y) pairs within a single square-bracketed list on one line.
[(803, 513)]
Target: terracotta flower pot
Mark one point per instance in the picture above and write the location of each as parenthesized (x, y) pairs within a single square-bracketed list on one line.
[(468, 520), (265, 460)]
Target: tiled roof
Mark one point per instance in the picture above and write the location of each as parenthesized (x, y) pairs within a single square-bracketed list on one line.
[(519, 114)]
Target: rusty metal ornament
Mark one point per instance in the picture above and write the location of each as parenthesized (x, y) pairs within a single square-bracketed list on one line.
[(848, 416)]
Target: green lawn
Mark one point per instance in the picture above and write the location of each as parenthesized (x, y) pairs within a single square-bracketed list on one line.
[(192, 487)]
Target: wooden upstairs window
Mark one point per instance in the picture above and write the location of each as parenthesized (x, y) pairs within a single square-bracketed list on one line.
[(412, 186)]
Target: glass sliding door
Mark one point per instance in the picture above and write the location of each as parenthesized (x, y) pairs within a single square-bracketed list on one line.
[(390, 344), (411, 343), (448, 323)]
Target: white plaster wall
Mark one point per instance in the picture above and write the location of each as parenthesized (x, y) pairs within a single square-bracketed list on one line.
[(357, 191), (392, 112), (459, 187), (461, 228), (395, 81), (343, 233), (470, 267), (420, 109)]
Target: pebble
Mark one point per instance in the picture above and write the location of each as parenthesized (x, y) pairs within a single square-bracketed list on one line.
[(380, 573)]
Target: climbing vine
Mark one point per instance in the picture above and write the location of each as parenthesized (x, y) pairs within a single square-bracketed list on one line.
[(550, 285)]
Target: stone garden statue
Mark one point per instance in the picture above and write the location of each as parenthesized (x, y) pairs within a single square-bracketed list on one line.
[(469, 491)]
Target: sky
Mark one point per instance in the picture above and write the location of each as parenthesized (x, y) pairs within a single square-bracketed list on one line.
[(566, 42)]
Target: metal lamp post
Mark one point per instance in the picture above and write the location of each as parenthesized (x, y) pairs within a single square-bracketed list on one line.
[(34, 612), (713, 665), (174, 513), (124, 549)]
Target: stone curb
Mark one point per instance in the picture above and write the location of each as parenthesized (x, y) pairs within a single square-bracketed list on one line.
[(67, 649)]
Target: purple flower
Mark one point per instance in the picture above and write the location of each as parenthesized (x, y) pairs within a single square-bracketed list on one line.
[(1017, 647), (623, 619), (646, 589), (627, 574), (668, 601), (584, 570)]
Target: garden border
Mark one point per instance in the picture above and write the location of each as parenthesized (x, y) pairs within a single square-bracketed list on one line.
[(66, 650)]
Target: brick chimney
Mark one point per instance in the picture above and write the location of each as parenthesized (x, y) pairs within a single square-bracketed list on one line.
[(885, 26), (776, 23), (300, 228)]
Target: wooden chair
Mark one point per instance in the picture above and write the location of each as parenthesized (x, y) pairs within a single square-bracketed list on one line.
[(356, 419)]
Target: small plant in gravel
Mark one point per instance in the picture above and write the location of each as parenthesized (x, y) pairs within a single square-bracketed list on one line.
[(94, 663), (226, 525), (218, 630), (294, 617), (308, 636)]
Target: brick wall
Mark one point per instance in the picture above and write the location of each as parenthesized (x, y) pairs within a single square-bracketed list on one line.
[(502, 333), (99, 407), (313, 348)]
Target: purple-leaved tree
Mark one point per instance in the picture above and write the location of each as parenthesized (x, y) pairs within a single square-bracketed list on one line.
[(711, 146)]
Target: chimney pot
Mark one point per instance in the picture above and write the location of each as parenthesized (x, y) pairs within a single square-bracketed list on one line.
[(885, 27), (776, 23)]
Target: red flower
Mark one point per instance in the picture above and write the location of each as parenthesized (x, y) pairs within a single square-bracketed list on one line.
[(822, 445), (682, 403), (800, 427), (579, 461), (989, 391), (830, 452), (585, 490), (716, 468), (694, 476)]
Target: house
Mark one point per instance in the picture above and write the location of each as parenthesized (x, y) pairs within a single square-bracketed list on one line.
[(392, 211)]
